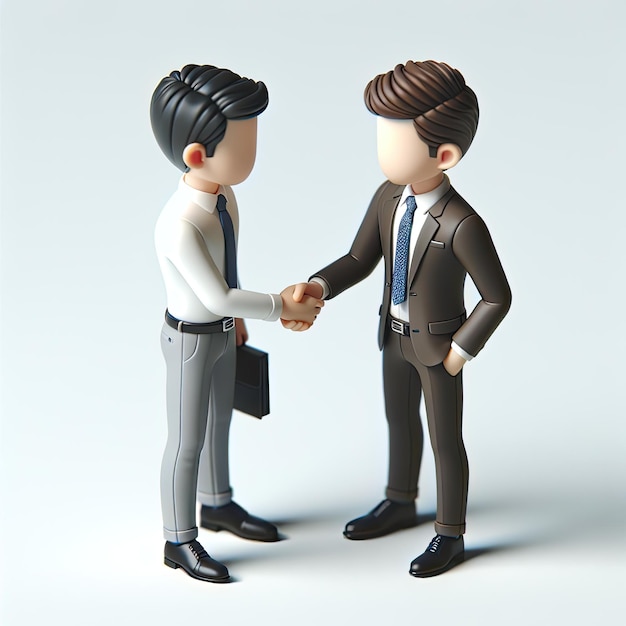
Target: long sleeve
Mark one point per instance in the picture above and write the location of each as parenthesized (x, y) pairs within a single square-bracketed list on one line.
[(189, 256), (364, 254), (473, 247)]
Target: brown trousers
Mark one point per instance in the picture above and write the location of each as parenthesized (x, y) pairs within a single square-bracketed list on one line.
[(405, 379)]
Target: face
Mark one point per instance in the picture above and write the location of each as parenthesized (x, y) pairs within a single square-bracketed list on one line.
[(402, 155), (234, 156), (405, 159)]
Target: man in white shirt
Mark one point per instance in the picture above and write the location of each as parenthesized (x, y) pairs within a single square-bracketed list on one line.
[(430, 239), (205, 121)]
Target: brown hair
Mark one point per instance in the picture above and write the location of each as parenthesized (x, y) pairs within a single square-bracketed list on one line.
[(434, 95)]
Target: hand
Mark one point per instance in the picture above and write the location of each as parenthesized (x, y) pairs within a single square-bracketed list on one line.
[(299, 314), (453, 363), (295, 326), (315, 290), (241, 332), (301, 290)]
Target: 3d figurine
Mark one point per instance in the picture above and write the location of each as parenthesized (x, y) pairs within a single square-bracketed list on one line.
[(205, 121), (430, 238)]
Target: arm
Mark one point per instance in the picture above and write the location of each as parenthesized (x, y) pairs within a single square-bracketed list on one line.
[(188, 254), (473, 247), (353, 267), (365, 252)]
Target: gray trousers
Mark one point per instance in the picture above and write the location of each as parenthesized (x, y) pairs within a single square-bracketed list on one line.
[(200, 390), (405, 379)]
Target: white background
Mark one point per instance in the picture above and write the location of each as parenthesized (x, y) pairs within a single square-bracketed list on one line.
[(83, 419)]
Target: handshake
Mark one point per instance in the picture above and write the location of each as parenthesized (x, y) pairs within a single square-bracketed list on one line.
[(302, 303)]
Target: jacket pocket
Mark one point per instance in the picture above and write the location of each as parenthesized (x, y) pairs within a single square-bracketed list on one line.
[(446, 327)]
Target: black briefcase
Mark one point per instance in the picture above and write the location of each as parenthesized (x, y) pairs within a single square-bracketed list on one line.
[(252, 387)]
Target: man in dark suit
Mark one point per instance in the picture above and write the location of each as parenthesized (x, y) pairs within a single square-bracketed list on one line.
[(430, 239)]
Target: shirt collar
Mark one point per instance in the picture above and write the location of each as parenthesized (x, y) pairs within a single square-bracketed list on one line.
[(425, 201), (206, 201)]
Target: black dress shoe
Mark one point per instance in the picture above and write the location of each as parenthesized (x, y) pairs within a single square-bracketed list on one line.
[(238, 521), (385, 519), (442, 554), (193, 558)]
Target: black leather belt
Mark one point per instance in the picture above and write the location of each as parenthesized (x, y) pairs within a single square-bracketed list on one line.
[(402, 328), (221, 326)]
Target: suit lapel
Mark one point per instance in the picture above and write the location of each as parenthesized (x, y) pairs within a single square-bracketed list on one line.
[(386, 229), (430, 227)]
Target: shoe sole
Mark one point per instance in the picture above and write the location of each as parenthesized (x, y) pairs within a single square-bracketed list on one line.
[(174, 565), (388, 531), (455, 561)]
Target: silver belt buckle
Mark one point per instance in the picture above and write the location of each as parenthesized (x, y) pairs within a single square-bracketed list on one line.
[(397, 327), (228, 323)]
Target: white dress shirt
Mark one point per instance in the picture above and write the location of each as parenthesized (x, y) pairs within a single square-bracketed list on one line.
[(190, 247)]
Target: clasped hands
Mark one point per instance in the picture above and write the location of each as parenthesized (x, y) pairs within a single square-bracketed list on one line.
[(302, 303)]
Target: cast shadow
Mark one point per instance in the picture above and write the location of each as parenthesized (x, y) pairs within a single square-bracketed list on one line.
[(285, 524), (504, 546), (311, 520), (422, 518)]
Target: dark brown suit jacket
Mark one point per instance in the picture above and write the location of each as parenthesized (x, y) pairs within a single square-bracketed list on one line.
[(453, 242)]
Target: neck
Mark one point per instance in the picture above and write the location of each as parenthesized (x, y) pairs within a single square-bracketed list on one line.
[(195, 182), (427, 185)]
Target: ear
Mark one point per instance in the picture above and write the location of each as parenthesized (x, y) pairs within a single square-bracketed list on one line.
[(194, 155), (448, 155)]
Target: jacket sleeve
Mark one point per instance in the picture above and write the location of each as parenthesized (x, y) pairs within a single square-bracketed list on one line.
[(364, 255), (473, 247)]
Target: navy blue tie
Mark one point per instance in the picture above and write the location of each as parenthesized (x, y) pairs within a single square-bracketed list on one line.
[(229, 242), (400, 265)]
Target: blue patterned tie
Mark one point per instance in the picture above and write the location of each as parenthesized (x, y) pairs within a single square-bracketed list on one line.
[(400, 265), (229, 242)]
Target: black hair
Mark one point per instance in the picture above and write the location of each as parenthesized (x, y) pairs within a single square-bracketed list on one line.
[(193, 105)]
